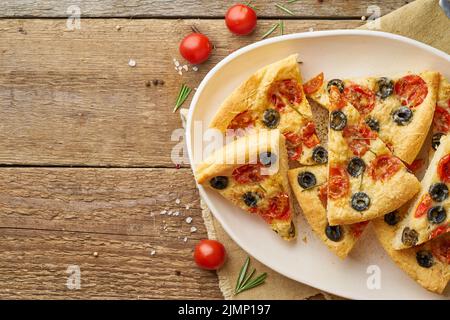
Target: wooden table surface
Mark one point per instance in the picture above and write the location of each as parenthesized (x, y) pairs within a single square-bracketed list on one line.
[(85, 160)]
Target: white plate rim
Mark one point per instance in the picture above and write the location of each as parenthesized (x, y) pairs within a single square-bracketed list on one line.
[(315, 34)]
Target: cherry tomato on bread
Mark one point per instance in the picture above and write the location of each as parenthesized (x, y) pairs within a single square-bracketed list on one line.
[(209, 254)]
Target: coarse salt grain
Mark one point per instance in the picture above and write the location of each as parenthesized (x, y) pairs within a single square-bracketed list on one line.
[(177, 63), (363, 18), (188, 219), (176, 213), (153, 252), (132, 63), (163, 212), (180, 73), (193, 229), (177, 201), (185, 67), (185, 239), (195, 68), (169, 213), (188, 207)]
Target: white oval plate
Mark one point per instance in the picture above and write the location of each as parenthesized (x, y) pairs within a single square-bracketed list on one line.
[(339, 54)]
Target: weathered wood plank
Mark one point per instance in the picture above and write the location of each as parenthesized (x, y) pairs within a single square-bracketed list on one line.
[(190, 8), (70, 97), (51, 218)]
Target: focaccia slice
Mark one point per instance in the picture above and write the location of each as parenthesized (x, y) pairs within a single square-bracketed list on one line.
[(441, 120), (251, 172), (428, 264), (309, 185), (273, 98), (365, 180), (399, 109), (429, 216)]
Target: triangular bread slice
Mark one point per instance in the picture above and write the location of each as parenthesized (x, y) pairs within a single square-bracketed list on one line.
[(429, 214), (428, 264), (251, 172), (312, 198), (399, 109), (365, 180), (273, 98), (441, 120)]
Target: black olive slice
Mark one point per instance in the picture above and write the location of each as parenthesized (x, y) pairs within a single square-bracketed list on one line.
[(409, 237), (306, 180), (251, 199), (338, 120), (402, 116), (425, 258), (385, 87), (392, 218), (436, 214), (360, 201), (438, 191), (356, 167), (334, 233), (436, 140), (267, 158), (271, 118), (337, 83), (320, 155), (219, 182), (373, 124)]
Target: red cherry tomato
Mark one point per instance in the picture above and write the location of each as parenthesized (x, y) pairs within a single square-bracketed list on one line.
[(339, 182), (411, 90), (309, 136), (240, 19), (242, 120), (195, 48), (444, 169), (358, 228), (209, 254), (293, 145), (279, 208), (285, 91), (441, 119), (362, 98), (323, 194), (248, 173), (358, 138), (423, 206), (314, 84), (383, 167)]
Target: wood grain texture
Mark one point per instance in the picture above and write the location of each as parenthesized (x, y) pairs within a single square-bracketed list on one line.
[(70, 98), (51, 218), (190, 8)]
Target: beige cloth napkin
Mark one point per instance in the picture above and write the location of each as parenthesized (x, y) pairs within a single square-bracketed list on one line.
[(422, 20)]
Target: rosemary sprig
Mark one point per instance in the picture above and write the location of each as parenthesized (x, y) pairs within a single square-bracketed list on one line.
[(279, 6), (281, 23), (249, 4), (292, 1), (262, 188), (269, 32), (182, 96), (296, 110), (246, 281)]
